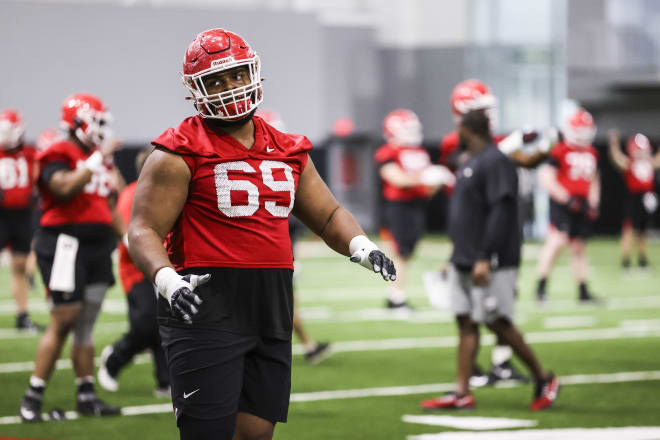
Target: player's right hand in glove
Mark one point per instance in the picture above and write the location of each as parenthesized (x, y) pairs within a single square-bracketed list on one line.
[(366, 253), (180, 291)]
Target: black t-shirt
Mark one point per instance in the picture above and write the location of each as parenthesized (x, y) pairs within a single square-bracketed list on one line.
[(481, 183)]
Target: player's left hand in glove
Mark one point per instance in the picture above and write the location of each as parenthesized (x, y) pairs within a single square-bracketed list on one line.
[(180, 291), (366, 253)]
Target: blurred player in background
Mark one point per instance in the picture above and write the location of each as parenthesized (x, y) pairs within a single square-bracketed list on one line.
[(142, 311), (314, 352), (78, 233), (573, 183), (221, 187), (484, 229), (17, 177), (409, 180), (638, 169)]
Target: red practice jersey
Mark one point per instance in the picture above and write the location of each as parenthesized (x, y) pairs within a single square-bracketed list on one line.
[(128, 273), (410, 159), (449, 145), (17, 177), (239, 200), (90, 205), (639, 176), (576, 167)]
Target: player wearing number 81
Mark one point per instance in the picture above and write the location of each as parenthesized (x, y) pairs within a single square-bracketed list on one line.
[(220, 187)]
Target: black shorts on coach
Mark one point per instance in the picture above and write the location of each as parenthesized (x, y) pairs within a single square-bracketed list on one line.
[(16, 229), (575, 224), (406, 221)]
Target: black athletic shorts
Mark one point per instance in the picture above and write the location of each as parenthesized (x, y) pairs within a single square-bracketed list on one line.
[(406, 221), (575, 224), (93, 262), (215, 373), (16, 229), (634, 212)]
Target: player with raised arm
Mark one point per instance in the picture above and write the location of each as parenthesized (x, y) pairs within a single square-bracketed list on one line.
[(220, 188), (573, 183), (17, 176), (79, 230), (409, 180), (638, 169)]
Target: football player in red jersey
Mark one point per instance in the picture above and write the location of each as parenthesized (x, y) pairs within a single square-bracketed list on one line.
[(221, 187), (573, 183), (78, 232), (17, 176), (409, 180), (638, 169), (314, 352)]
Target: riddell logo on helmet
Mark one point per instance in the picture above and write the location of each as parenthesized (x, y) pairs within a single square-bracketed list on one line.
[(222, 61)]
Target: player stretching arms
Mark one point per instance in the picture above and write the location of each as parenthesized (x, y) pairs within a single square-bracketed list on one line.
[(638, 168), (573, 184), (221, 187)]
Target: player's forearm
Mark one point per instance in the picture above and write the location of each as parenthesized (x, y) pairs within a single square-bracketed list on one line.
[(67, 184), (394, 175), (146, 249), (339, 231), (594, 193), (527, 160), (548, 180), (118, 223)]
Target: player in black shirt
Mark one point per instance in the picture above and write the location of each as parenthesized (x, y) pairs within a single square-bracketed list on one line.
[(484, 228)]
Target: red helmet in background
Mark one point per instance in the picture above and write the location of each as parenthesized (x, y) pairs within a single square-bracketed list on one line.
[(638, 145), (273, 118), (471, 94), (402, 127), (48, 137), (580, 128), (12, 129), (218, 50), (87, 116)]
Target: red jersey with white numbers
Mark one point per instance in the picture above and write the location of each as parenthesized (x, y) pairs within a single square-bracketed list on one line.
[(239, 199), (576, 167), (17, 177), (411, 160), (449, 145), (128, 273), (639, 176), (90, 205)]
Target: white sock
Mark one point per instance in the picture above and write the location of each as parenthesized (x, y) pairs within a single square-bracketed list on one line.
[(37, 382), (84, 379), (397, 296), (501, 354)]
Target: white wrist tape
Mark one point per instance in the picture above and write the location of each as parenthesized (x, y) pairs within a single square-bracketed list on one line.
[(360, 247), (94, 163), (167, 281)]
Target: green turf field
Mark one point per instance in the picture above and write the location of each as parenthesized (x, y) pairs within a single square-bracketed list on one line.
[(390, 363)]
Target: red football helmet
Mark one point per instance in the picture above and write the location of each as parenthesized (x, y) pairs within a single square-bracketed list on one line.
[(12, 129), (471, 94), (87, 116), (402, 127), (638, 145), (218, 50), (580, 129), (273, 118), (48, 137)]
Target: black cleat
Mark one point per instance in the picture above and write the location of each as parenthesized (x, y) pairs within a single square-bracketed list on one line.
[(643, 262), (89, 404), (588, 298), (478, 378), (402, 306), (625, 263), (506, 372), (25, 324), (322, 351), (30, 409)]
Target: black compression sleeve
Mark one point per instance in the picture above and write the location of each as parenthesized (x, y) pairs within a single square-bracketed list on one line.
[(51, 168)]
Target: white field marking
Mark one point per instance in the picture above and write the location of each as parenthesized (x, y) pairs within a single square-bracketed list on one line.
[(569, 321), (417, 343), (640, 323), (110, 306), (99, 329), (473, 423), (627, 433), (396, 391)]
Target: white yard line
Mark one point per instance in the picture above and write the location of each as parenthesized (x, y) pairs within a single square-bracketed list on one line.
[(467, 422), (569, 321), (634, 376), (627, 433), (421, 342)]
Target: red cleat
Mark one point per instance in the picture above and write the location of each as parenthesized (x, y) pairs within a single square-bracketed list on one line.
[(449, 401), (546, 393)]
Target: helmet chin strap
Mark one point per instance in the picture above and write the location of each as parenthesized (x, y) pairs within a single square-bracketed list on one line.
[(221, 123)]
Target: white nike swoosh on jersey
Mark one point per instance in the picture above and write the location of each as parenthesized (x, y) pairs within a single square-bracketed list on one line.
[(269, 149), (185, 396)]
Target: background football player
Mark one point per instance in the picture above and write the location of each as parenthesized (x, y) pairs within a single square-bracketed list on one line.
[(17, 176), (314, 351), (221, 187), (79, 230), (409, 180), (640, 202), (573, 184)]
